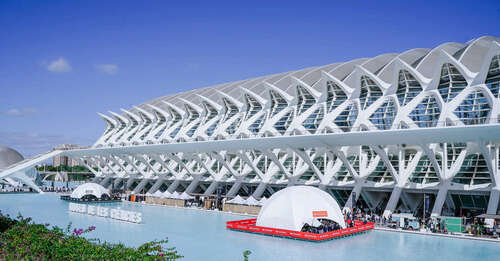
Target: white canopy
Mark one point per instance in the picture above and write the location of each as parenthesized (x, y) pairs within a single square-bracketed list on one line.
[(166, 194), (237, 200), (157, 193), (292, 207), (251, 201), (185, 196), (262, 201), (174, 195), (149, 194), (89, 189)]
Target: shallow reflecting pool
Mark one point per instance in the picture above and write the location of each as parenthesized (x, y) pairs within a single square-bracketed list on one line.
[(201, 235)]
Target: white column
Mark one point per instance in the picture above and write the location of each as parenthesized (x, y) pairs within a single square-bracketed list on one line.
[(235, 188), (140, 186), (194, 183), (350, 201), (21, 177), (493, 202), (260, 190), (213, 186), (104, 181), (393, 201), (441, 198), (173, 186), (117, 182), (156, 186), (130, 181)]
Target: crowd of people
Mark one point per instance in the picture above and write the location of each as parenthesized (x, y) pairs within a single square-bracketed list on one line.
[(473, 226), (325, 226)]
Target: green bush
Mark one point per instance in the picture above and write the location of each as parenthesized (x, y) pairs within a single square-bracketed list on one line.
[(21, 239)]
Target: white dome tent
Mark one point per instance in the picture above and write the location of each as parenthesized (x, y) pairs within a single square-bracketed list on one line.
[(251, 201), (237, 200), (165, 194), (92, 189), (292, 207)]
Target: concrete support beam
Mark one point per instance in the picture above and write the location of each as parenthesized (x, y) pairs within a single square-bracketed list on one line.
[(351, 200), (235, 188), (117, 182), (194, 183), (211, 189), (129, 183), (259, 190), (440, 199), (156, 186), (493, 202), (173, 186), (393, 201), (140, 186), (21, 177), (105, 181)]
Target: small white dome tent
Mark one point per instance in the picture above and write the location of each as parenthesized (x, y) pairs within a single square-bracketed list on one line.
[(237, 200), (251, 201), (157, 194), (165, 194), (292, 207), (185, 196), (89, 189), (175, 195)]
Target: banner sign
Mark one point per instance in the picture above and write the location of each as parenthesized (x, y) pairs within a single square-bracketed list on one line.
[(118, 214), (318, 214)]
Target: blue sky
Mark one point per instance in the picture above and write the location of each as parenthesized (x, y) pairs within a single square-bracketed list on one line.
[(63, 61)]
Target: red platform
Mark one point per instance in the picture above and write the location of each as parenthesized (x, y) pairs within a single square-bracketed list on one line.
[(248, 225)]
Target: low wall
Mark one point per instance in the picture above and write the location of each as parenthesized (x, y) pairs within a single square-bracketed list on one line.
[(165, 201), (241, 209)]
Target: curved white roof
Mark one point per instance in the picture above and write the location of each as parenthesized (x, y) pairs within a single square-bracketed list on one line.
[(9, 156), (89, 189), (292, 207)]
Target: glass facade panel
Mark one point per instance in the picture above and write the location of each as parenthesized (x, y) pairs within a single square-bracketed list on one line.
[(278, 103), (426, 114), (210, 130), (253, 107), (335, 96), (474, 109), (383, 117), (369, 92), (257, 124), (424, 171), (493, 77), (345, 120), (305, 100), (408, 87), (473, 171), (313, 121), (343, 174), (451, 82), (282, 124), (454, 150)]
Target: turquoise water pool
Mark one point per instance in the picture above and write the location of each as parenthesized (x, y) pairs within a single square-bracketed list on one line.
[(201, 235)]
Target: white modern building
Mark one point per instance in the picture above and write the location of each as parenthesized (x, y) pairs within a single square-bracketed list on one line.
[(381, 132)]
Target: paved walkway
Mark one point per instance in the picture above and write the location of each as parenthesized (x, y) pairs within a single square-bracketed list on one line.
[(460, 236)]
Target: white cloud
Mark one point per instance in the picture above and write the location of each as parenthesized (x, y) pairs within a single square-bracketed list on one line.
[(107, 68), (60, 66), (19, 112)]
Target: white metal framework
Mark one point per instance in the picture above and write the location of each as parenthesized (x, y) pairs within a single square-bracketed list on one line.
[(256, 136)]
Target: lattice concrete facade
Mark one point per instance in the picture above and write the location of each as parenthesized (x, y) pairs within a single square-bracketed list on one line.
[(256, 136)]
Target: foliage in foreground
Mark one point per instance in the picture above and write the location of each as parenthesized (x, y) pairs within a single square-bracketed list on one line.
[(21, 239)]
